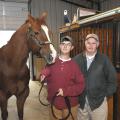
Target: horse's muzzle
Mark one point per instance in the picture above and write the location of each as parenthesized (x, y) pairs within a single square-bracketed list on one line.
[(49, 59)]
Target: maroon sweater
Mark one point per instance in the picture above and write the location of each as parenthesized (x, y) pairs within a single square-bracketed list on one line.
[(65, 75)]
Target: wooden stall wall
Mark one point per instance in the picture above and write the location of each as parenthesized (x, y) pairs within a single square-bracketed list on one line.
[(117, 117), (105, 33), (116, 59), (108, 36)]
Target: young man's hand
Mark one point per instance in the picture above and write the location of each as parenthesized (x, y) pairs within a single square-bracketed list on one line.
[(42, 78), (60, 92)]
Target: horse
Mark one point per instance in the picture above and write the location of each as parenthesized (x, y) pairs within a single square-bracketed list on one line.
[(33, 36)]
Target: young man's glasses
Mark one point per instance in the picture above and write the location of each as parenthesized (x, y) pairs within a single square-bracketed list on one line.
[(66, 44)]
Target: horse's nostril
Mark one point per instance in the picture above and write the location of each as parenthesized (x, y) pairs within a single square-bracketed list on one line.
[(48, 58)]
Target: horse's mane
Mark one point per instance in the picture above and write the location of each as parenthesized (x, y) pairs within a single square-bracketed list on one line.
[(21, 29)]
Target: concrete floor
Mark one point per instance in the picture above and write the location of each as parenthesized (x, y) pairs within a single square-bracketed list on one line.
[(33, 110)]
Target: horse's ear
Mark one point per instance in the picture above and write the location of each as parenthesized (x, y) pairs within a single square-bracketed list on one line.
[(43, 16), (30, 18)]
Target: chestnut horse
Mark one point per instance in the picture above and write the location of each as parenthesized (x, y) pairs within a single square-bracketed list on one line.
[(33, 36)]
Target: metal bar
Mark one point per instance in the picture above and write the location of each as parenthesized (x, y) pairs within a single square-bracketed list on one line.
[(100, 16)]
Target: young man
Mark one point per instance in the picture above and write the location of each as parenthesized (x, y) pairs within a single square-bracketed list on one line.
[(100, 79), (64, 77)]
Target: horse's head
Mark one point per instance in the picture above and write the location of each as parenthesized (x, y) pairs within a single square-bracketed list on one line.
[(39, 40)]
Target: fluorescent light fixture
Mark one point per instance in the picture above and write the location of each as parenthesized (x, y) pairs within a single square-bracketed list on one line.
[(99, 16)]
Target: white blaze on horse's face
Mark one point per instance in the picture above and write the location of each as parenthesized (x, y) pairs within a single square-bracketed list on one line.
[(54, 53)]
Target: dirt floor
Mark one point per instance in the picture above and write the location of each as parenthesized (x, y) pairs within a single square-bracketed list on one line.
[(33, 109)]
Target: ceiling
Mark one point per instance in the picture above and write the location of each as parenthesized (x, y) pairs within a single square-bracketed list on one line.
[(21, 1), (94, 1)]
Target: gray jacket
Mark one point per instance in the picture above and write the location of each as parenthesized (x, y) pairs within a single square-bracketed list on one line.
[(100, 78)]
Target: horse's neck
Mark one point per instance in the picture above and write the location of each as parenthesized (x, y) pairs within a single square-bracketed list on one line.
[(17, 49)]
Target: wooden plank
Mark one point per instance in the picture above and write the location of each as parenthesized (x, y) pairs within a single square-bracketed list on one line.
[(69, 27)]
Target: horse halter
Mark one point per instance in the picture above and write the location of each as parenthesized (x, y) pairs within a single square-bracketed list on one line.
[(32, 34)]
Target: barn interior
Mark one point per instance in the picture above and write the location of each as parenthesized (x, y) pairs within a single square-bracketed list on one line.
[(98, 16)]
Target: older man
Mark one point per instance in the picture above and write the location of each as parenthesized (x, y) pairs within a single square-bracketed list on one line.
[(100, 79)]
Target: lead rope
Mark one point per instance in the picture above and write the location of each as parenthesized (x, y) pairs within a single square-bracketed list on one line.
[(67, 101), (42, 84)]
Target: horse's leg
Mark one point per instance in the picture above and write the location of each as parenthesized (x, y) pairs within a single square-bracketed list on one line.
[(3, 105), (21, 98)]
